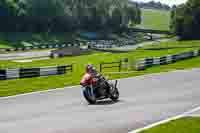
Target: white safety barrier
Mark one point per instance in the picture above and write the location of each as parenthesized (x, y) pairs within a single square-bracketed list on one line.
[(148, 62)]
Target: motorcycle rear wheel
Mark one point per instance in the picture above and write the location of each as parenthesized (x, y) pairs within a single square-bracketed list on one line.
[(89, 98)]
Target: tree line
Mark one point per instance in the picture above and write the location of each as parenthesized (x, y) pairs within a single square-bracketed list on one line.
[(185, 20), (66, 15)]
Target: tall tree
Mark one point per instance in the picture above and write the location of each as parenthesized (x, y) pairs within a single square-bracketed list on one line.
[(62, 15), (186, 20)]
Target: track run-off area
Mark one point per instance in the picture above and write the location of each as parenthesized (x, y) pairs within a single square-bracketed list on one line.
[(22, 55), (144, 100)]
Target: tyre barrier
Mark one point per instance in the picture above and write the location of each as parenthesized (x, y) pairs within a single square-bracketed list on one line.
[(149, 62), (103, 44), (34, 72), (38, 47)]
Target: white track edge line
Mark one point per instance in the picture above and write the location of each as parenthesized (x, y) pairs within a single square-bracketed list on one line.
[(194, 115), (166, 120), (37, 92)]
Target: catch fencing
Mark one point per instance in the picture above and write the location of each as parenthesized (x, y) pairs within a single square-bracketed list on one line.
[(149, 62), (34, 72)]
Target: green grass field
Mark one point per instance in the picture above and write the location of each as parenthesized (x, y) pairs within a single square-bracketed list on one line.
[(184, 125), (95, 58), (18, 86), (173, 44), (4, 45), (155, 19)]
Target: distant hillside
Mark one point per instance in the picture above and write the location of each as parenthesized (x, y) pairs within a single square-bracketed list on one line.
[(155, 19), (152, 5)]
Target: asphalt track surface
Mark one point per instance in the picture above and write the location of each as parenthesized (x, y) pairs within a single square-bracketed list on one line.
[(144, 100), (196, 113), (22, 55)]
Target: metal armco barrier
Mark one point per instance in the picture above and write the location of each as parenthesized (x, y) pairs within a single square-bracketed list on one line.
[(149, 62), (12, 73), (69, 68), (29, 72), (168, 59), (48, 71), (2, 74), (34, 72)]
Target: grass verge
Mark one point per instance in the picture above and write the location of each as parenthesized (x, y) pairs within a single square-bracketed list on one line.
[(4, 45), (183, 125), (172, 44), (162, 21), (19, 86)]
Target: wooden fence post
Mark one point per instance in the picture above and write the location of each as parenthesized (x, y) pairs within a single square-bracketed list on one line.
[(72, 67), (100, 67)]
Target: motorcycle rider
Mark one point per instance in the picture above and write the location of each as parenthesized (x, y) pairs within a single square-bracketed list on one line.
[(91, 75)]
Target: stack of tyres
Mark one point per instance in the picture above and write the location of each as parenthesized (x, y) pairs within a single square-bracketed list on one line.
[(163, 60), (61, 69), (29, 72), (148, 62), (2, 74)]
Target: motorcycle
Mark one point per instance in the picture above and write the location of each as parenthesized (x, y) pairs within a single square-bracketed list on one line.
[(97, 90)]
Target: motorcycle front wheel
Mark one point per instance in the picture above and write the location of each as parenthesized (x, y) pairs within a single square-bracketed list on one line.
[(114, 93)]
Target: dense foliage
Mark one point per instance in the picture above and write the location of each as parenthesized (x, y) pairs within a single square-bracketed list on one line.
[(185, 20), (65, 15)]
